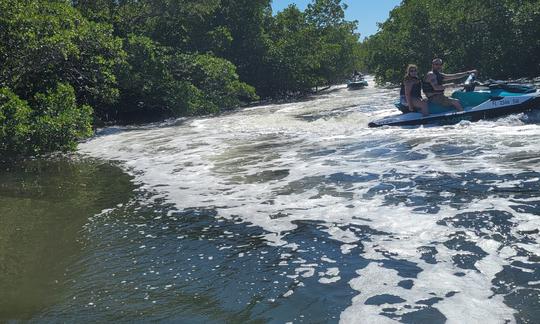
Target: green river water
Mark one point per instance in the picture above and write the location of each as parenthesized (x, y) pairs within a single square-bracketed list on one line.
[(43, 206)]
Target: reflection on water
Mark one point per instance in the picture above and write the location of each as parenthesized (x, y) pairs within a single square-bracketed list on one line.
[(300, 213), (43, 206)]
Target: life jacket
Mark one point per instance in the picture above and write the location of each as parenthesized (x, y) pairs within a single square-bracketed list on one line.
[(416, 91), (428, 88)]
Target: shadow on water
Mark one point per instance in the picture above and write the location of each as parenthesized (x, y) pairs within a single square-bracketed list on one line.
[(43, 206), (428, 194), (157, 263)]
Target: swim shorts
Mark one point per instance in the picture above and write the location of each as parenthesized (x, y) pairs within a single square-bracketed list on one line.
[(441, 99)]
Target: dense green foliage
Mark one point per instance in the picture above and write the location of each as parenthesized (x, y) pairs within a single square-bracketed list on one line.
[(172, 67), (67, 64), (498, 37), (308, 49), (46, 42), (53, 121), (14, 122), (53, 64), (160, 81)]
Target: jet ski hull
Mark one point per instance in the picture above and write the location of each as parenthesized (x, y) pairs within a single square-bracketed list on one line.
[(495, 107), (357, 84)]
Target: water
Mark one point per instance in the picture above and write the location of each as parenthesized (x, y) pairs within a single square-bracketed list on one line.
[(43, 207), (300, 213)]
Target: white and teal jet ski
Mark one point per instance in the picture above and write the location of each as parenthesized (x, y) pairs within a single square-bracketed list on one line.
[(496, 99)]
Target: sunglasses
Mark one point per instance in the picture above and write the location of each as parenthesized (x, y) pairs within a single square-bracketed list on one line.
[(412, 70)]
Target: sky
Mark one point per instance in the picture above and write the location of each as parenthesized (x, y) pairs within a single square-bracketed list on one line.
[(367, 12)]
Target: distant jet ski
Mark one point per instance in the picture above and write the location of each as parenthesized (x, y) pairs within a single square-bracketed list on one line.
[(498, 99), (357, 82)]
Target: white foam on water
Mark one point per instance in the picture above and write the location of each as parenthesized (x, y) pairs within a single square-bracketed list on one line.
[(330, 276), (272, 166)]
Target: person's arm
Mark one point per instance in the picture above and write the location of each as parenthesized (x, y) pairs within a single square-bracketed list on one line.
[(432, 79), (455, 76), (408, 89)]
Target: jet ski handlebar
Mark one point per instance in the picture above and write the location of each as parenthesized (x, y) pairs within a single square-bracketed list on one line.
[(470, 83)]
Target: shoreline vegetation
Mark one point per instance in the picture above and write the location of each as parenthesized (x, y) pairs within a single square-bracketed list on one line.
[(499, 38), (67, 67)]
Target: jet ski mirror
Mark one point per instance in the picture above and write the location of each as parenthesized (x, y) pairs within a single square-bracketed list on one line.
[(470, 83)]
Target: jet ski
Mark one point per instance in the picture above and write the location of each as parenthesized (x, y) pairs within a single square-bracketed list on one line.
[(496, 99), (357, 82)]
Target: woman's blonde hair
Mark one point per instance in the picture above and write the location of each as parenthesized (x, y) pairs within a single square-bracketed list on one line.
[(409, 68)]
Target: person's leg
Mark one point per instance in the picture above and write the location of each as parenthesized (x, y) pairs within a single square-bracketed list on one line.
[(457, 104), (447, 102), (422, 105), (403, 105)]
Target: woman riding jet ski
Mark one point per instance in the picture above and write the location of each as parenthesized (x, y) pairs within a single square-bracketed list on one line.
[(497, 99)]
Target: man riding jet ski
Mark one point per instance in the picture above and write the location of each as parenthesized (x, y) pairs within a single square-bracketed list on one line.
[(357, 81)]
